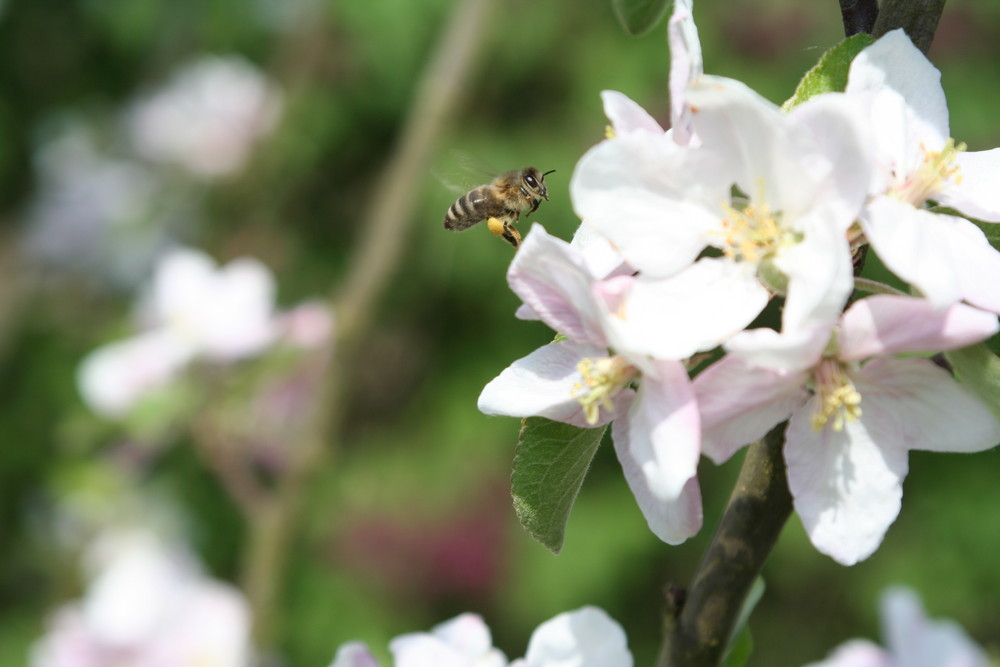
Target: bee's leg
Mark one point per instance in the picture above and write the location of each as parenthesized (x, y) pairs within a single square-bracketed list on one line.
[(534, 207), (512, 236)]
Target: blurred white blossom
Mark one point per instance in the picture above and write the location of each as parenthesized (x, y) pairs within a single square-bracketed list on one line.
[(207, 118), (912, 640), (147, 605), (587, 637)]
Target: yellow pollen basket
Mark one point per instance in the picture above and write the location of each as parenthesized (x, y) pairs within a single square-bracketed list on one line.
[(838, 401), (603, 378), (937, 169)]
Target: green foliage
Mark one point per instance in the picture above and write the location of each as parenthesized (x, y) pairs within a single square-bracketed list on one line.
[(979, 370), (551, 463), (640, 16), (830, 73)]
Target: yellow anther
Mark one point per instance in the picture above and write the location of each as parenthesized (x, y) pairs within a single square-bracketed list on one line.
[(936, 170), (837, 399), (609, 132), (603, 378)]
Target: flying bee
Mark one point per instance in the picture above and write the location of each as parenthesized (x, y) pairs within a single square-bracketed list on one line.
[(501, 203)]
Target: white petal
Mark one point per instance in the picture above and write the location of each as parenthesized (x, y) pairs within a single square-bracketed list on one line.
[(917, 641), (919, 406), (976, 194), (739, 404), (655, 444), (685, 66), (180, 278), (554, 282), (654, 200), (116, 376), (627, 116), (793, 351), (601, 257), (857, 653), (354, 654), (463, 641), (820, 277), (846, 488), (947, 258), (235, 317), (697, 309), (886, 324), (894, 62), (587, 637), (541, 385)]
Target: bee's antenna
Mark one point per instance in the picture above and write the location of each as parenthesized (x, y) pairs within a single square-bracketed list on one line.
[(548, 172)]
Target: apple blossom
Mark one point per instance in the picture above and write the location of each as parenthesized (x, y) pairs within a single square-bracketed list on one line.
[(946, 257), (912, 640), (806, 175), (147, 604), (207, 118), (579, 382), (855, 410), (587, 637)]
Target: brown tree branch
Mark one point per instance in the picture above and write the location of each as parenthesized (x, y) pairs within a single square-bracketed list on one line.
[(919, 18), (700, 623), (858, 16)]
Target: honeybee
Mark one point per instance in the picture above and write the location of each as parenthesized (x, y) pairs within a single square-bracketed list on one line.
[(501, 202)]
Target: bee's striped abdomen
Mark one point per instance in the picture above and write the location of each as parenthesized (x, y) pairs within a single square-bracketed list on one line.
[(465, 211)]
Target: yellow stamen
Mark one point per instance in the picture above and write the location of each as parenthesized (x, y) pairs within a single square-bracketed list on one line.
[(754, 232), (609, 132), (603, 378), (937, 169), (838, 401)]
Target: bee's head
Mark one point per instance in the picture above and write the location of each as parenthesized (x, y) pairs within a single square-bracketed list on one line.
[(534, 182)]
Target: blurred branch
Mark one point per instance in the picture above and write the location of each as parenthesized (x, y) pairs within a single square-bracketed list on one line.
[(384, 231), (700, 622), (858, 15), (919, 18)]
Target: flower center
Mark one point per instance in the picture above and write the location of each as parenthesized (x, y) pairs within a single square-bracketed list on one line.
[(838, 399), (603, 378), (753, 232), (936, 169)]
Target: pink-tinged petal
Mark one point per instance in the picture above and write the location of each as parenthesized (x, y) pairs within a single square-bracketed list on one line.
[(599, 254), (796, 350), (657, 443), (846, 486), (857, 653), (654, 200), (587, 637), (553, 280), (947, 258), (740, 404), (685, 66), (114, 378), (820, 277), (894, 62), (886, 324), (627, 116), (976, 193), (542, 385), (697, 309), (918, 641), (354, 654), (917, 405)]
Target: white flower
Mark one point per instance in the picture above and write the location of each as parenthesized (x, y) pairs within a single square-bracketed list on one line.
[(587, 637), (192, 310), (578, 381), (946, 257), (855, 410), (207, 118), (147, 604), (912, 640)]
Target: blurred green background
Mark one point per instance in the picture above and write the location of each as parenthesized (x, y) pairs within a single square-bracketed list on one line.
[(410, 523)]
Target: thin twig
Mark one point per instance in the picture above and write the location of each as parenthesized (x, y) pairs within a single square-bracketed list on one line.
[(858, 16), (384, 232)]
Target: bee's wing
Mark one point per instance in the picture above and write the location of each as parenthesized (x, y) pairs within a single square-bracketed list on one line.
[(463, 171)]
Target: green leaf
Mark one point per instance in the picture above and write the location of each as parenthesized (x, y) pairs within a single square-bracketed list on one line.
[(979, 370), (741, 643), (552, 460), (830, 73), (639, 16)]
